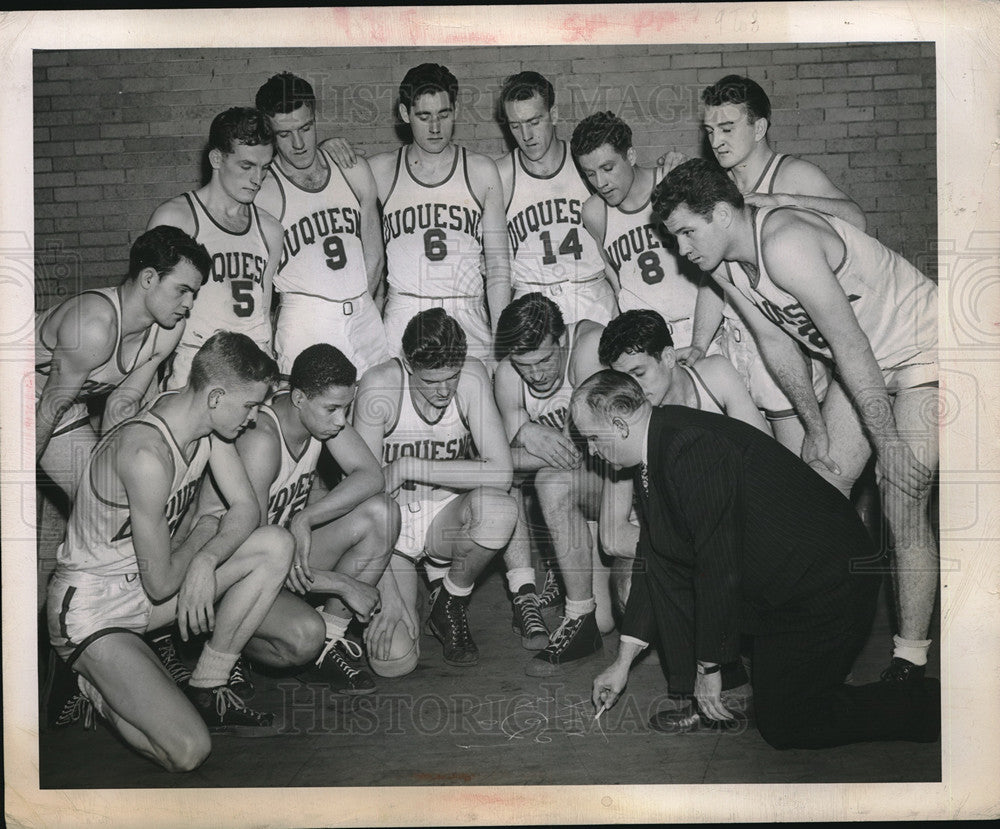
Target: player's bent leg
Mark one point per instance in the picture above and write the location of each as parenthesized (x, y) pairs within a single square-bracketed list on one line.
[(291, 634), (527, 621), (393, 650), (915, 558), (140, 700), (849, 446)]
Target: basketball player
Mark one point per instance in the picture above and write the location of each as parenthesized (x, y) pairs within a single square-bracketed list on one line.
[(809, 279), (431, 419), (129, 564), (544, 196), (330, 271), (736, 118), (110, 341), (442, 218), (619, 217), (638, 344), (541, 361), (244, 242), (343, 540)]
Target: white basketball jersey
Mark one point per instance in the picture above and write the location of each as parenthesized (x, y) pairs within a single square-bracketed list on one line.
[(99, 532), (707, 401), (895, 304), (289, 491), (548, 242), (552, 408), (321, 254), (110, 374), (446, 439), (232, 299), (648, 273), (433, 234)]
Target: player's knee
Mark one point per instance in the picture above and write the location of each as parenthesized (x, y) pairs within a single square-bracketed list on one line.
[(404, 653), (494, 516), (273, 546), (303, 637), (189, 749), (380, 515), (553, 489)]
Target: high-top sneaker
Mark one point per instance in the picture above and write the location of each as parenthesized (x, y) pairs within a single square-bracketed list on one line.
[(575, 642), (224, 712), (449, 622), (166, 652), (64, 703), (552, 594), (527, 621), (334, 666), (239, 679)]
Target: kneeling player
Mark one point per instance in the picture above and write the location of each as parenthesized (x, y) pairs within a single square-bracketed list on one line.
[(124, 569), (431, 419), (343, 540)]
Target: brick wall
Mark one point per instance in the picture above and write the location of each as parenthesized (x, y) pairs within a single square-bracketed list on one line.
[(119, 131)]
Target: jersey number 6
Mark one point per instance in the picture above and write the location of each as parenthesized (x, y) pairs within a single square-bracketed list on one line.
[(435, 248)]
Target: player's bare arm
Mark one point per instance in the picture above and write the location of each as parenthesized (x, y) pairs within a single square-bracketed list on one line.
[(362, 182), (84, 339), (803, 268), (707, 319), (343, 153), (175, 212), (383, 166), (140, 386), (584, 360), (726, 384), (378, 392), (485, 181), (274, 238), (260, 450), (595, 219), (533, 446), (800, 183), (362, 479)]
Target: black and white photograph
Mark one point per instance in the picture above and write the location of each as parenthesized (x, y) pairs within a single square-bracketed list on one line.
[(430, 405)]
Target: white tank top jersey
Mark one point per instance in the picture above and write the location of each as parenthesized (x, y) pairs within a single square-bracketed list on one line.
[(446, 439), (548, 242), (764, 184), (99, 532), (232, 298), (110, 374), (648, 273), (433, 234), (707, 401), (289, 491), (895, 304), (552, 408), (322, 253)]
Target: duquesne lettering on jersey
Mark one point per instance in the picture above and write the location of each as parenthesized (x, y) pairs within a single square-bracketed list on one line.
[(429, 449), (291, 498), (629, 245), (238, 265), (540, 215), (175, 510), (431, 215), (323, 226)]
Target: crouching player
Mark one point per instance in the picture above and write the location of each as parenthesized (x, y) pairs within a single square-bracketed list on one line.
[(431, 419), (129, 565), (342, 540)]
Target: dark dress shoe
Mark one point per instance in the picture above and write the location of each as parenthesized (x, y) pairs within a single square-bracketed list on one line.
[(902, 670)]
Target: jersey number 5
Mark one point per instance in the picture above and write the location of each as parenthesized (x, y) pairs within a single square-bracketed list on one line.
[(243, 297)]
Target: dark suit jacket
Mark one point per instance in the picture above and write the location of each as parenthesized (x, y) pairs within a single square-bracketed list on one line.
[(737, 535)]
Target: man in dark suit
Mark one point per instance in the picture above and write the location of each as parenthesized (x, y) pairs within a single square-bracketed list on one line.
[(739, 536)]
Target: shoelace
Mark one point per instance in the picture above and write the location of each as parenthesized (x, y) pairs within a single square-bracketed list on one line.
[(226, 698), (75, 707), (353, 649), (564, 633), (531, 618), (171, 661), (550, 590), (459, 621), (238, 674)]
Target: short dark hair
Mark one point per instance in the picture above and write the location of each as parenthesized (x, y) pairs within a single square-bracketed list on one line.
[(525, 323), (426, 79), (433, 339), (244, 124), (525, 85), (736, 89), (640, 331), (698, 183), (228, 357), (319, 367), (162, 248), (609, 394), (599, 129), (284, 93)]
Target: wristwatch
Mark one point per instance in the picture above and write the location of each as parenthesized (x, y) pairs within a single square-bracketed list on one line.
[(711, 669)]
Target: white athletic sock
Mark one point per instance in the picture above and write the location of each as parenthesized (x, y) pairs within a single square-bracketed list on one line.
[(577, 608), (520, 576), (454, 589), (213, 668), (335, 626), (913, 650), (435, 572)]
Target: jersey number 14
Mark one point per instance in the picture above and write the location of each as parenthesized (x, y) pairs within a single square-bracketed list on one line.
[(570, 246)]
